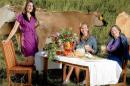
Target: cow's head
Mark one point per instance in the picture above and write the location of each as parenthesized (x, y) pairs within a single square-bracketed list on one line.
[(98, 19)]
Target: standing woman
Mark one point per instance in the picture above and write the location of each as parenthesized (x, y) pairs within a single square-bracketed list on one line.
[(29, 41)]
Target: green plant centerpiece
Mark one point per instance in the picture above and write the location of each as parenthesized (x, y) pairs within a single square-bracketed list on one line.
[(51, 48), (62, 41)]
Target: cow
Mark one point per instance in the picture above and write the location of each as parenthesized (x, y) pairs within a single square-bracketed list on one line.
[(123, 22), (51, 22)]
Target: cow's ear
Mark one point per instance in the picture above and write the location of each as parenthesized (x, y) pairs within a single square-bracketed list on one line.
[(95, 13)]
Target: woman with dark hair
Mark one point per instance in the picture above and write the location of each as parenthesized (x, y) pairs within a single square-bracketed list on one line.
[(29, 41), (118, 46)]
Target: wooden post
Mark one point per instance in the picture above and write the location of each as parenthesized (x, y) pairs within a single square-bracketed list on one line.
[(45, 69)]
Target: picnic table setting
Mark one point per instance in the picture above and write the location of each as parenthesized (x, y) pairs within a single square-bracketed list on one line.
[(101, 70)]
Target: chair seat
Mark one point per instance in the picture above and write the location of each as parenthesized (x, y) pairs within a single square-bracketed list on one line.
[(22, 84), (20, 69)]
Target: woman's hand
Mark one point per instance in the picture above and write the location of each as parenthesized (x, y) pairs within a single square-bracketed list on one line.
[(5, 41), (88, 48)]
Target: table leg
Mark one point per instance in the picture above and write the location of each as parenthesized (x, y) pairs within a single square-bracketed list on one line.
[(45, 69), (64, 72), (87, 77)]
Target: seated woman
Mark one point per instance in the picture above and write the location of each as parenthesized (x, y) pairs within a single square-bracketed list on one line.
[(87, 42), (117, 48)]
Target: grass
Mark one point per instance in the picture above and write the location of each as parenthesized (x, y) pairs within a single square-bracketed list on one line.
[(55, 79), (109, 8)]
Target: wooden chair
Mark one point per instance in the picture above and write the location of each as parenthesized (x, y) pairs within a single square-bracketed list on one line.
[(11, 66), (124, 71)]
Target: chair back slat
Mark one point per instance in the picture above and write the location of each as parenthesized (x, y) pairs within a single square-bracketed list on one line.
[(9, 54)]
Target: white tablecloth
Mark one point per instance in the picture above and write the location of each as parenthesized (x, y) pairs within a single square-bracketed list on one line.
[(39, 63), (102, 71)]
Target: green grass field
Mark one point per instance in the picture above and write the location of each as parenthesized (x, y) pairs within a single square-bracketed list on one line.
[(109, 8)]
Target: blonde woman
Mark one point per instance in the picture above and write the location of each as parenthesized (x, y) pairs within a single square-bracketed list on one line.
[(87, 42)]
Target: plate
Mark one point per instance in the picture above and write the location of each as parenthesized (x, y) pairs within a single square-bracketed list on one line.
[(89, 55)]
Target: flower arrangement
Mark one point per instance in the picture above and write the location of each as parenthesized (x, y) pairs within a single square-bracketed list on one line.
[(58, 40), (66, 35), (68, 38)]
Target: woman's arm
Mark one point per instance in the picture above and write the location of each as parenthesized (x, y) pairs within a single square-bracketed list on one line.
[(37, 24), (13, 31), (93, 47), (113, 45)]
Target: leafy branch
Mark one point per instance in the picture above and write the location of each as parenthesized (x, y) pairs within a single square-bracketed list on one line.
[(51, 49)]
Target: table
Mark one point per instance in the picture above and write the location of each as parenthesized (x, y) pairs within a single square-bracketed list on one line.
[(67, 61), (64, 69), (99, 71)]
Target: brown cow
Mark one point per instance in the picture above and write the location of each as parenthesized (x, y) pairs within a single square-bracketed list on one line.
[(123, 21), (51, 22)]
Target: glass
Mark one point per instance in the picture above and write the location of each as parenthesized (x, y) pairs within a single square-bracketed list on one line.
[(80, 51)]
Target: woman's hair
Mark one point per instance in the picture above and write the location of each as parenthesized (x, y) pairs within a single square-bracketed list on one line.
[(25, 10), (115, 27), (80, 33)]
